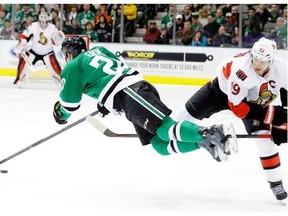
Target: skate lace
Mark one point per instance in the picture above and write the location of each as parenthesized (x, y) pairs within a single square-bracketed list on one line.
[(278, 189)]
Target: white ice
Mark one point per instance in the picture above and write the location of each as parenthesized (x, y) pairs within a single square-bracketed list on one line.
[(82, 172)]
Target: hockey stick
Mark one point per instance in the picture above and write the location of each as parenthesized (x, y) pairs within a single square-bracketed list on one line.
[(29, 63), (47, 138), (107, 132)]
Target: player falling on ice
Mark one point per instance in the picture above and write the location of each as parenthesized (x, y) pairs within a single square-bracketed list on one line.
[(247, 84), (43, 36), (119, 88)]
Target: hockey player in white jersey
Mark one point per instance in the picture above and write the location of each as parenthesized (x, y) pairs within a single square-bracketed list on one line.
[(43, 35), (247, 84)]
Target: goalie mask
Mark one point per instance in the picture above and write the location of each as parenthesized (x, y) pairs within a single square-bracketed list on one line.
[(74, 45), (263, 53), (43, 20)]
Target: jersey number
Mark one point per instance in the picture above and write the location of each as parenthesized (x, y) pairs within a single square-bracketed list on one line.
[(235, 88), (108, 66)]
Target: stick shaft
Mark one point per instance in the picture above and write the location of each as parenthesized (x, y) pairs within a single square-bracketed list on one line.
[(109, 133), (46, 138)]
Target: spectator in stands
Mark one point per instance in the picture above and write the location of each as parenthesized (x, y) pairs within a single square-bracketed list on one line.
[(2, 18), (41, 8), (187, 14), (85, 16), (6, 31), (54, 17), (281, 30), (235, 15), (103, 30), (7, 9), (117, 24), (199, 39), (130, 15), (102, 12), (229, 24), (57, 8), (195, 8), (74, 28), (263, 14), (27, 22), (235, 37), (152, 34), (167, 20), (278, 39), (255, 22), (184, 36), (211, 29), (179, 23), (145, 12), (17, 21), (58, 26), (219, 17), (90, 32), (195, 24), (164, 38), (227, 9), (203, 15), (254, 35), (211, 9), (72, 14), (246, 26), (222, 39), (273, 13), (24, 13)]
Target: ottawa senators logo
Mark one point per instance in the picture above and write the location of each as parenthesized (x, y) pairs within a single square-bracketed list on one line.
[(266, 96), (43, 40)]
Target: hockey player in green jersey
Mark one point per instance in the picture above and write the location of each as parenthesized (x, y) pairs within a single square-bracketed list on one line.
[(119, 88)]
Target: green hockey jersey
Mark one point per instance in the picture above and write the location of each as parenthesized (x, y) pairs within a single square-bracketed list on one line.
[(97, 73)]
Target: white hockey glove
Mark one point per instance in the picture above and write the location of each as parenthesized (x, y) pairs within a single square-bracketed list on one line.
[(21, 46)]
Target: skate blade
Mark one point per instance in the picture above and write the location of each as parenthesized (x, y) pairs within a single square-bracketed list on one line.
[(283, 202), (221, 155), (231, 146)]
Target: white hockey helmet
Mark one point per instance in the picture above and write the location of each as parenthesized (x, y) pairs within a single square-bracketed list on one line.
[(264, 49), (43, 19)]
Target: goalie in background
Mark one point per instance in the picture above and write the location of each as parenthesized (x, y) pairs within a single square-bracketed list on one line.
[(119, 88), (247, 84), (43, 35)]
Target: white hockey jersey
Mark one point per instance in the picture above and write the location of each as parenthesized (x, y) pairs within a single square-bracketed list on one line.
[(239, 81), (42, 39)]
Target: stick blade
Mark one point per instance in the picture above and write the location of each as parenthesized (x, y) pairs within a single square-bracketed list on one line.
[(106, 131)]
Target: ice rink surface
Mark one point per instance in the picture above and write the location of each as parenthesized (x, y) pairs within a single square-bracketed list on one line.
[(82, 172)]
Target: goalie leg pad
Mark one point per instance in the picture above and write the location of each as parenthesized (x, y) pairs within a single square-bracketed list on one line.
[(53, 65), (23, 70)]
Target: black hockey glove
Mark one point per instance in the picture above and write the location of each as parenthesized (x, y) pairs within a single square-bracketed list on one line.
[(102, 111), (57, 114), (279, 136), (283, 97), (276, 115)]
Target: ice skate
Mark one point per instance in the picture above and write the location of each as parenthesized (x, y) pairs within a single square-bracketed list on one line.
[(219, 141), (279, 191), (222, 136), (214, 151), (231, 145)]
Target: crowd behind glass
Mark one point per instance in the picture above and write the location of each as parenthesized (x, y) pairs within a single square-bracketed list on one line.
[(214, 25)]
